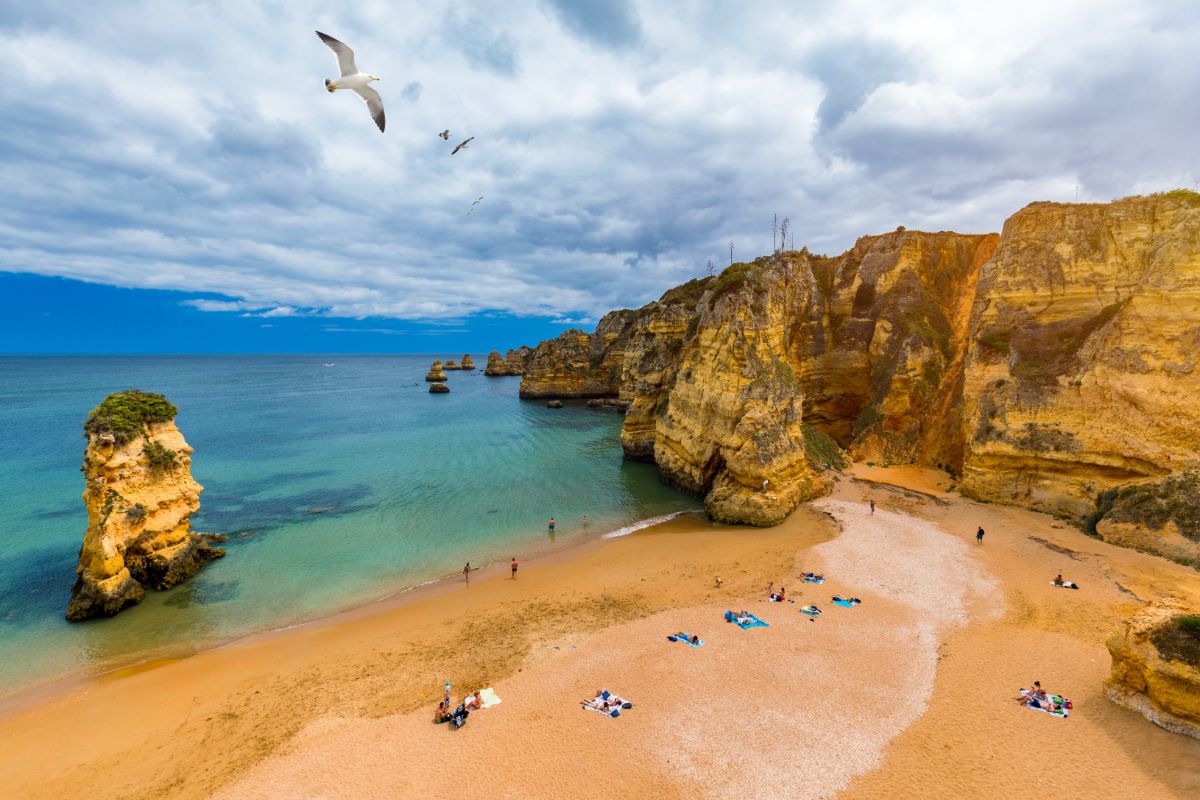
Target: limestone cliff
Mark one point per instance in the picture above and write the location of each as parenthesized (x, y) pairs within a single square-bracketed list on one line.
[(512, 364), (140, 497), (1046, 365), (1156, 667), (1083, 371)]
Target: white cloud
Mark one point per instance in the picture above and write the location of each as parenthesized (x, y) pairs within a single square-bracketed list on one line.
[(619, 147)]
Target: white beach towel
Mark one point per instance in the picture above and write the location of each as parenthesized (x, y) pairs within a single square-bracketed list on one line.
[(488, 697)]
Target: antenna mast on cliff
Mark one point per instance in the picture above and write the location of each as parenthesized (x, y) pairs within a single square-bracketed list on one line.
[(731, 252), (774, 227)]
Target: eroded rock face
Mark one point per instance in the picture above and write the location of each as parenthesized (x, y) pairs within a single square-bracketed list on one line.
[(436, 373), (1156, 668), (1045, 364), (467, 362), (1085, 336), (512, 364), (495, 366), (451, 365), (438, 388), (140, 496)]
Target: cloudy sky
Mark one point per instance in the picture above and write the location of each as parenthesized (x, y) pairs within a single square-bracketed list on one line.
[(188, 152)]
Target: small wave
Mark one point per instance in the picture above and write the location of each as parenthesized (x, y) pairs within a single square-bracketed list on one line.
[(644, 523)]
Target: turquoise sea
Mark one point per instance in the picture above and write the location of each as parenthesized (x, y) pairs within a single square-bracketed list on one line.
[(336, 486)]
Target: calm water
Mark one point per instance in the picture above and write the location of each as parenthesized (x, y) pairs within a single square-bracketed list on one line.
[(335, 485)]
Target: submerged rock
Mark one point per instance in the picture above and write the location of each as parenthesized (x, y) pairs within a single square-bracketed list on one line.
[(438, 388), (1156, 667), (554, 404), (140, 496)]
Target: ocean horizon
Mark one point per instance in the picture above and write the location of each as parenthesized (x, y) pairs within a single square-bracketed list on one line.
[(336, 486)]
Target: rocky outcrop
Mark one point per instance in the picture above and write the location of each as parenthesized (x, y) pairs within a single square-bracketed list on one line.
[(1083, 375), (1046, 365), (436, 372), (1156, 667), (467, 362), (451, 365), (140, 496), (512, 364), (438, 388)]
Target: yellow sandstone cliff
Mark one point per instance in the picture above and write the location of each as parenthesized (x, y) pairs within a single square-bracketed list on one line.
[(140, 496), (1052, 366), (1156, 667)]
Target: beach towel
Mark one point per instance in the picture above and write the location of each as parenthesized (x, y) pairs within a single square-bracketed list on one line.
[(812, 611), (754, 621), (814, 580), (1065, 585), (488, 697), (844, 603), (686, 639), (1062, 713)]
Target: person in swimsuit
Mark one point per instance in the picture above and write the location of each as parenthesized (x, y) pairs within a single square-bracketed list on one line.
[(552, 523), (467, 573), (514, 568), (872, 506), (979, 535)]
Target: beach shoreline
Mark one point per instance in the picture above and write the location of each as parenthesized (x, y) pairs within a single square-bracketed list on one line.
[(326, 707)]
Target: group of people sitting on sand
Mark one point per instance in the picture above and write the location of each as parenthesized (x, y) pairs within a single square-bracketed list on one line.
[(1037, 697), (457, 716), (607, 703), (777, 597)]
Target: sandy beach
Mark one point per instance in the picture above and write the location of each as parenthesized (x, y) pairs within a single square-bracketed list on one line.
[(908, 694)]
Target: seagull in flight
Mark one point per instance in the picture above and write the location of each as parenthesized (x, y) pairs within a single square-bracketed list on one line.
[(445, 134), (463, 145), (477, 202), (352, 79)]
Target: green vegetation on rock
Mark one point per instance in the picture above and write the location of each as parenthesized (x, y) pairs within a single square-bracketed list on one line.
[(823, 451), (1173, 499), (1178, 639), (125, 415), (997, 340), (158, 456)]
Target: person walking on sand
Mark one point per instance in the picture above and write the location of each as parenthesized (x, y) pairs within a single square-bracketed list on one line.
[(467, 573), (979, 535), (514, 568), (872, 502)]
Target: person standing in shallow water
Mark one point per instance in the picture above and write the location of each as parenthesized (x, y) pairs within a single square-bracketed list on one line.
[(514, 568), (979, 535), (552, 523)]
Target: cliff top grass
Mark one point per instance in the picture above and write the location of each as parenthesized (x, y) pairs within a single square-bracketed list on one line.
[(125, 415), (1178, 639)]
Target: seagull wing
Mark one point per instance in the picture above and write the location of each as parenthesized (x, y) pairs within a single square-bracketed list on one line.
[(461, 145), (374, 104), (345, 55)]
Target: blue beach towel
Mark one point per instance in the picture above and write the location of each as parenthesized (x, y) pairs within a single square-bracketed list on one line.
[(753, 623), (812, 611), (686, 639), (844, 603)]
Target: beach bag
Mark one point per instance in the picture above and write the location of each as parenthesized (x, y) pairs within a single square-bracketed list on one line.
[(616, 712), (1067, 704), (627, 705)]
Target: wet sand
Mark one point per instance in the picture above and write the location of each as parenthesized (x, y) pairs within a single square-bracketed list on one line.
[(906, 695)]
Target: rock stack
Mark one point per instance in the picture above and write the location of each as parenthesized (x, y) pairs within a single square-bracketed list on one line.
[(451, 364), (436, 372), (438, 388), (140, 496), (467, 362), (495, 365)]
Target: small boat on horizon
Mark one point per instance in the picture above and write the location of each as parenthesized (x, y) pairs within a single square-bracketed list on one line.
[(329, 363)]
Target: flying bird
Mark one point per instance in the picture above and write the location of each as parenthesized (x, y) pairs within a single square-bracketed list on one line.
[(445, 134), (472, 209), (352, 79), (463, 145)]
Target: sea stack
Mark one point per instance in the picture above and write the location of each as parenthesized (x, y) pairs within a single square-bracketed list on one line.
[(495, 365), (451, 364), (438, 388), (467, 362), (140, 497), (435, 373)]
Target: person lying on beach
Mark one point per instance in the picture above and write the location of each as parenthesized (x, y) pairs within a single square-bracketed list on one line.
[(1025, 694), (744, 617), (473, 702), (814, 576), (604, 701)]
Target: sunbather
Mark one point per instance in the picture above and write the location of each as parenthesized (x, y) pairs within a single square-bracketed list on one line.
[(1058, 579), (473, 701), (778, 597), (744, 617), (443, 712)]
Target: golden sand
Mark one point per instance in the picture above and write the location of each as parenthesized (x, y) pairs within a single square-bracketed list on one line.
[(907, 695)]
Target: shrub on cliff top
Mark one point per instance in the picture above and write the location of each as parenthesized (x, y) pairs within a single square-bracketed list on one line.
[(1178, 639), (1173, 499), (125, 415)]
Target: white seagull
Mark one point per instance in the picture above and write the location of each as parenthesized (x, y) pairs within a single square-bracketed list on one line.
[(445, 134), (352, 79), (463, 145), (477, 202)]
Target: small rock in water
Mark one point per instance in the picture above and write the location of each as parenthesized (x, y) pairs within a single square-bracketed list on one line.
[(554, 404), (438, 388)]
